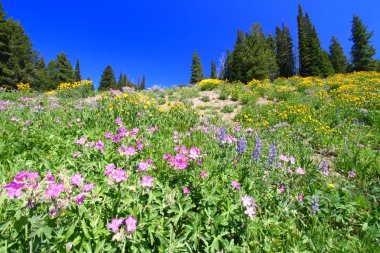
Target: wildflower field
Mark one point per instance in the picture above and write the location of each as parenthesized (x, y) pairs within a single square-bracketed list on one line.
[(296, 170)]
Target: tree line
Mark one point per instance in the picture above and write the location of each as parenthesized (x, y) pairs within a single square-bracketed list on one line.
[(20, 63), (257, 56)]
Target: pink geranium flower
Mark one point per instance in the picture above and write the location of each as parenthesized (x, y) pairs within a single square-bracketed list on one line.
[(115, 224), (300, 171), (77, 179), (130, 222), (119, 176), (147, 181), (235, 184)]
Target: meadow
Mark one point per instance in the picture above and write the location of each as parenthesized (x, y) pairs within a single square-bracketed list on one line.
[(290, 165)]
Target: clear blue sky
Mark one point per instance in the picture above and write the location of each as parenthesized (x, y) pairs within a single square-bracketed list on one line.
[(157, 38)]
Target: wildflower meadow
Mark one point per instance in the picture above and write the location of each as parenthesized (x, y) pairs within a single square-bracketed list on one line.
[(295, 169)]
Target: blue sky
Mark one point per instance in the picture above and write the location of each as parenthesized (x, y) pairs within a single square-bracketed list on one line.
[(157, 38)]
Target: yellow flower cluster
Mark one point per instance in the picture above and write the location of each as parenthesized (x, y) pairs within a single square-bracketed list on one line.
[(24, 87), (75, 85), (210, 81)]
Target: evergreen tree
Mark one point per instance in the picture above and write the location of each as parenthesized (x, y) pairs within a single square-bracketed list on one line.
[(337, 57), (237, 68), (77, 72), (273, 68), (213, 70), (40, 81), (327, 68), (16, 53), (284, 52), (311, 56), (362, 51), (125, 81), (227, 67), (196, 69), (142, 84), (120, 82), (107, 80), (259, 60)]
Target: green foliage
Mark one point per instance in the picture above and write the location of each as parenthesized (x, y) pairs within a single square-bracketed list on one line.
[(197, 73), (107, 80), (16, 53), (213, 70), (205, 99), (337, 57), (59, 71), (362, 51), (227, 109), (77, 74), (284, 51)]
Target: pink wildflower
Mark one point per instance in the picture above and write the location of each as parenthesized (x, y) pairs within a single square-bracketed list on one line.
[(292, 160), (119, 176), (235, 184), (100, 145), (88, 187), (147, 181), (118, 121), (14, 189), (130, 151), (250, 211), (109, 169), (186, 190), (284, 158), (107, 135), (130, 222), (300, 171), (203, 174), (79, 198), (77, 179), (54, 190), (142, 166), (115, 224), (301, 198), (247, 201), (81, 141)]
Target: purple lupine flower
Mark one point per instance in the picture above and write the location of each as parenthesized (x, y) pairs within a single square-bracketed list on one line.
[(272, 155), (222, 135), (241, 144), (257, 150), (324, 168), (314, 204)]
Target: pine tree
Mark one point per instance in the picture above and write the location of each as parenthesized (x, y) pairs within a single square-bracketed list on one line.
[(337, 57), (284, 52), (143, 84), (65, 69), (362, 51), (107, 80), (237, 68), (126, 81), (213, 70), (327, 68), (196, 69), (120, 83), (311, 56), (259, 60), (16, 53), (227, 67), (40, 81), (77, 72)]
